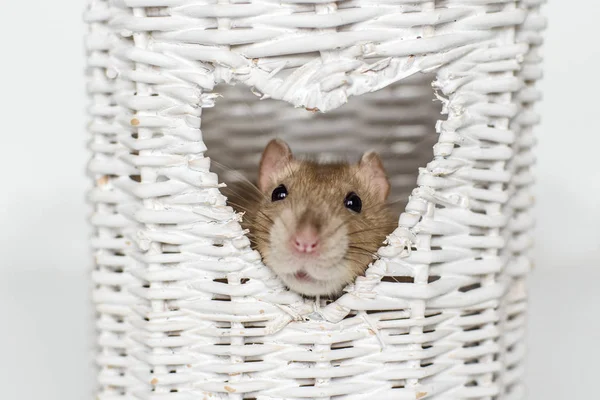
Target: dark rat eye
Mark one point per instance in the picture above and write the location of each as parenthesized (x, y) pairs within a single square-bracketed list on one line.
[(353, 202), (279, 193)]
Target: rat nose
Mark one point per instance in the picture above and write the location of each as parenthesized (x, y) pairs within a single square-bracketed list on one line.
[(306, 239)]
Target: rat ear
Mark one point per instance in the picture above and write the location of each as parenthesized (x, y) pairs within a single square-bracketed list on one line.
[(274, 157), (371, 169)]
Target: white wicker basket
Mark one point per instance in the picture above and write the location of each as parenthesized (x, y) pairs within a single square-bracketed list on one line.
[(186, 310)]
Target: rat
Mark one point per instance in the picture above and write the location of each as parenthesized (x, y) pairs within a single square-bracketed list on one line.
[(316, 225)]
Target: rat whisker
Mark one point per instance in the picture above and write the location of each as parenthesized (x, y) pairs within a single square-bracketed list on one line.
[(260, 212), (375, 208), (229, 169), (366, 254), (238, 207), (238, 192), (360, 248), (354, 260), (376, 228), (326, 233)]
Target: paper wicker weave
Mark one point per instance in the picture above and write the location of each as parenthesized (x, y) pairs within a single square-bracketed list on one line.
[(186, 310)]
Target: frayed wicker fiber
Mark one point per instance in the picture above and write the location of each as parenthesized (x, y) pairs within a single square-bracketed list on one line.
[(185, 310)]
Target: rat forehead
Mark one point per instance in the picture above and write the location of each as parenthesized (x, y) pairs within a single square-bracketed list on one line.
[(329, 178)]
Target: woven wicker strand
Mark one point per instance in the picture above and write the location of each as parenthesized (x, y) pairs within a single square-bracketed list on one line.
[(186, 309)]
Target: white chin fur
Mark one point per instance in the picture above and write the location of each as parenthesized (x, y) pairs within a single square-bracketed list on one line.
[(314, 287)]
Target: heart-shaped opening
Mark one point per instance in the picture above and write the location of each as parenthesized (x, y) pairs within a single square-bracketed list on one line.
[(398, 122)]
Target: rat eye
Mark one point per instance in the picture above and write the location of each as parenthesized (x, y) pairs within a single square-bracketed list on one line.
[(353, 202), (279, 193)]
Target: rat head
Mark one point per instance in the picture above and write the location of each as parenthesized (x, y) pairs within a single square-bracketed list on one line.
[(318, 225)]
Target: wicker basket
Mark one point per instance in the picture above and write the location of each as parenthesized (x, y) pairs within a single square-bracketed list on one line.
[(187, 311)]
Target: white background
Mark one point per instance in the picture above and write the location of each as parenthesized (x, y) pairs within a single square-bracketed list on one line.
[(44, 261)]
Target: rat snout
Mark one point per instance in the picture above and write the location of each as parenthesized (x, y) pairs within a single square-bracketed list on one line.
[(306, 239)]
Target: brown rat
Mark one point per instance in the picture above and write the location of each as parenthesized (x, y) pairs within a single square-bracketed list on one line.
[(317, 226)]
